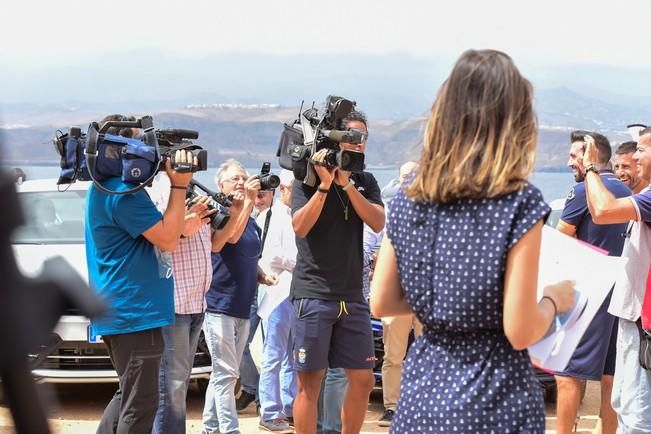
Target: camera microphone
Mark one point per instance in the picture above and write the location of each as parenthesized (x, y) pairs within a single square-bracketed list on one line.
[(351, 136), (180, 133)]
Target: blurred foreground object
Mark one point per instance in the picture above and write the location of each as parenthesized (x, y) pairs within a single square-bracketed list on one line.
[(29, 310)]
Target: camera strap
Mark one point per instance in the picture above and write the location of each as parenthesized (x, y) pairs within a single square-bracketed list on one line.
[(267, 219)]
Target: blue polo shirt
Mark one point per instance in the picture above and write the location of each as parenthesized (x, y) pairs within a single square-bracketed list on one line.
[(576, 213), (235, 275), (123, 267)]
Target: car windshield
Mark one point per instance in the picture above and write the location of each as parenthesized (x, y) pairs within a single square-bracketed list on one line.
[(52, 217)]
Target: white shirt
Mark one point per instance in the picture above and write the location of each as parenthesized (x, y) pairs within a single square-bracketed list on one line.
[(278, 254), (630, 287)]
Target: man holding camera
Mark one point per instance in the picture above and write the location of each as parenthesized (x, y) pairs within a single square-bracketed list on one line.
[(235, 275), (127, 245), (331, 320)]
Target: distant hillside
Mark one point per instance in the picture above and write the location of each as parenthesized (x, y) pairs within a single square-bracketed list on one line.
[(250, 132)]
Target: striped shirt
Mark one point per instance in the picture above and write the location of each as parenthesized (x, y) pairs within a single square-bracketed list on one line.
[(192, 272), (191, 260)]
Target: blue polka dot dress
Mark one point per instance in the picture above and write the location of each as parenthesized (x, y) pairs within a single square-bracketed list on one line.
[(462, 375)]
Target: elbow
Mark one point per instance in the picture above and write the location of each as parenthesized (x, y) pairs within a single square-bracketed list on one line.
[(377, 227), (168, 245), (376, 309), (300, 232), (519, 339), (599, 216), (518, 344)]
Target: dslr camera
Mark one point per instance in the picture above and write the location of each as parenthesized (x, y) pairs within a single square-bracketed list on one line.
[(268, 181), (98, 155), (313, 131), (218, 219)]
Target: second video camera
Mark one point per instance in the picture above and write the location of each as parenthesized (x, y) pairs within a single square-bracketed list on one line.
[(313, 131), (218, 219)]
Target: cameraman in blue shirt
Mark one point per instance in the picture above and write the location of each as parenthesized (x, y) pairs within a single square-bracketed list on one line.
[(127, 249)]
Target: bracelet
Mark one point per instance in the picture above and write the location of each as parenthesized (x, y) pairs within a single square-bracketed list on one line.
[(347, 186), (178, 187), (323, 190), (552, 301)]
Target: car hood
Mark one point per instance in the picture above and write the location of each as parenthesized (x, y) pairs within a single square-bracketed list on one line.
[(30, 257)]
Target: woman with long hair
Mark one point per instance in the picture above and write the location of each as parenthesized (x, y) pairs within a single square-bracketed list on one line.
[(461, 252)]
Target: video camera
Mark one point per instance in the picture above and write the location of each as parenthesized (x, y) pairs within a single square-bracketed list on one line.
[(97, 155), (218, 219), (312, 132)]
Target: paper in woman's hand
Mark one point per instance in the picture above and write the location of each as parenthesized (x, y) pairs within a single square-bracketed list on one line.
[(565, 258)]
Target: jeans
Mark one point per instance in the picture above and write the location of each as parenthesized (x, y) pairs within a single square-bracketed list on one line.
[(331, 399), (277, 375), (631, 397), (181, 340), (226, 337), (136, 358), (249, 375)]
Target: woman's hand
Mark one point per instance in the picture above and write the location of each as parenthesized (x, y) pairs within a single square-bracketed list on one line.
[(563, 294)]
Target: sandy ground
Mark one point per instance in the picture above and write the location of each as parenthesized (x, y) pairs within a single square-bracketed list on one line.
[(76, 409)]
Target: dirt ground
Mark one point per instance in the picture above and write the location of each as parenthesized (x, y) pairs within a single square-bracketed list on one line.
[(76, 409)]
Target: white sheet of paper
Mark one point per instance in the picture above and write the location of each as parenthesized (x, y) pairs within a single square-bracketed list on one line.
[(565, 258), (274, 295)]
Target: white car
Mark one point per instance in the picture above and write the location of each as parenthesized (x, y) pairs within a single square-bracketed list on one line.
[(55, 226)]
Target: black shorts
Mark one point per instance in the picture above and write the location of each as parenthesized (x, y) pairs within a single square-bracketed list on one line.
[(595, 354), (335, 334)]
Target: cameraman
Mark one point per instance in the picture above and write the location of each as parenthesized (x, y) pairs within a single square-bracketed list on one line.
[(331, 322), (127, 245)]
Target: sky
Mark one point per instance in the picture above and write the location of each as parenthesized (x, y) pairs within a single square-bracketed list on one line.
[(42, 33)]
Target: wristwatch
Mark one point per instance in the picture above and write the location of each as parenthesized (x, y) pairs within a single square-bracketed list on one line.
[(592, 167)]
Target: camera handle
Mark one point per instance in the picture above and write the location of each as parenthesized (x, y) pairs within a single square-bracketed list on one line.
[(310, 134), (95, 136)]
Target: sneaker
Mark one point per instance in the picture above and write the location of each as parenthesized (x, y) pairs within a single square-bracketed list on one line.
[(244, 400), (276, 425), (386, 418)]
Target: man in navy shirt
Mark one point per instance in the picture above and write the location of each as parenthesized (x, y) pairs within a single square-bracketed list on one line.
[(235, 276), (594, 357)]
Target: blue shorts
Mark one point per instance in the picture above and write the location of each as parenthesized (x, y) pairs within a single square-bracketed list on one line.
[(595, 354), (333, 334)]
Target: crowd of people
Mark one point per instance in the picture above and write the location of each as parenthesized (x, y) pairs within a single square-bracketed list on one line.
[(457, 264)]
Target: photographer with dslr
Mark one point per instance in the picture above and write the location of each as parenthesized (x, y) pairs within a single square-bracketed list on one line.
[(234, 280), (331, 322), (127, 245)]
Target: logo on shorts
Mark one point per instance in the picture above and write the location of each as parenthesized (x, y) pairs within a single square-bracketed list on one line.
[(302, 354), (371, 359)]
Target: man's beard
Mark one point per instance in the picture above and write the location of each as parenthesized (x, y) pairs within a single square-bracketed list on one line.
[(579, 177)]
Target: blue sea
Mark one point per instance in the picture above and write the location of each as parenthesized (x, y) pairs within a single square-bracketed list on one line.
[(553, 185)]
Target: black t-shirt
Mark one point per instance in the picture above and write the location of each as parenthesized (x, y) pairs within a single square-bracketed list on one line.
[(330, 258)]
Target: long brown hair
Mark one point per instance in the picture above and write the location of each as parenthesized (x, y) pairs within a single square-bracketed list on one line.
[(480, 139)]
